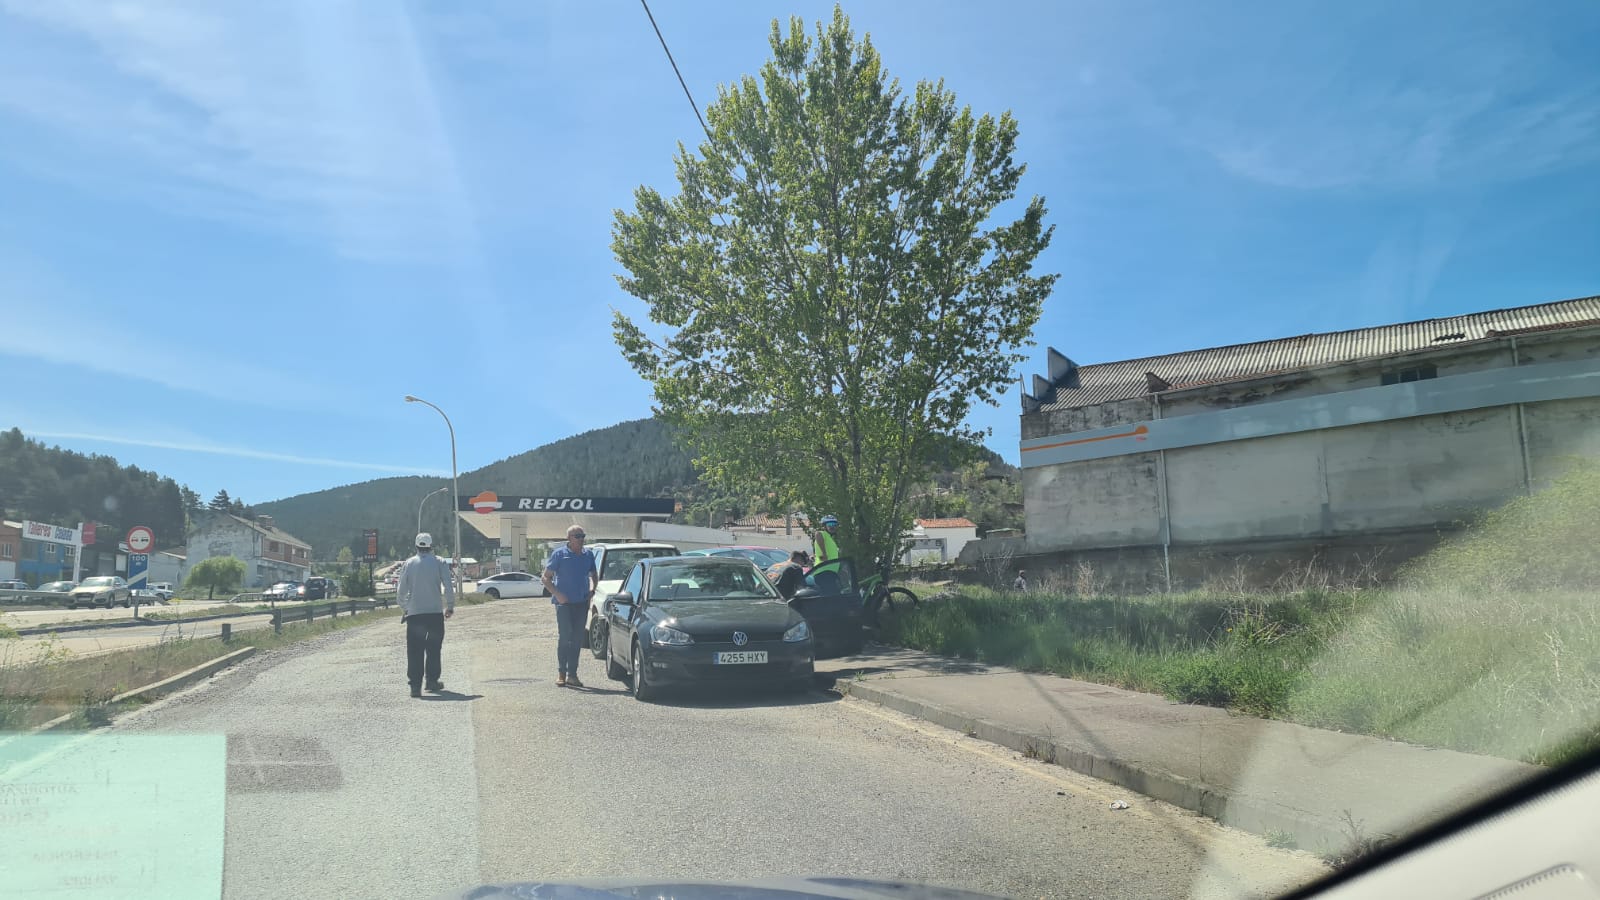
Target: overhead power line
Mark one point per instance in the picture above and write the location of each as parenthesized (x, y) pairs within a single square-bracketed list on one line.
[(684, 84)]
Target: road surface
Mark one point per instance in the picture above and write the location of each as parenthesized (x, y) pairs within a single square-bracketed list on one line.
[(341, 785)]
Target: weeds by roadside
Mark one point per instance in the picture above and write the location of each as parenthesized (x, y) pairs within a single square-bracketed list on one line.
[(1517, 677), (1489, 645)]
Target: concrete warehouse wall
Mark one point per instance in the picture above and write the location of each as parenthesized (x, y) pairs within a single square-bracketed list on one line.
[(1399, 481)]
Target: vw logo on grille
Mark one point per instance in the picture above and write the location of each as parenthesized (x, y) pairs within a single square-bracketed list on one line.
[(740, 639)]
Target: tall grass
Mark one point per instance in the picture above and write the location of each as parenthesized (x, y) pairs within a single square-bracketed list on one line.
[(1489, 645)]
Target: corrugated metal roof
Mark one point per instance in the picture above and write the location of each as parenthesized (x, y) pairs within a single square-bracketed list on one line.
[(1105, 382)]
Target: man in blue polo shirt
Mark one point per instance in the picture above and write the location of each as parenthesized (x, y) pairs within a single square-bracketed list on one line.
[(571, 579)]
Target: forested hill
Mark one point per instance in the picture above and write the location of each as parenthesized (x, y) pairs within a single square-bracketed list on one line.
[(64, 487), (632, 459)]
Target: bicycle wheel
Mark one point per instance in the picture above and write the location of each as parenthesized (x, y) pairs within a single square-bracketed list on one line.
[(899, 595)]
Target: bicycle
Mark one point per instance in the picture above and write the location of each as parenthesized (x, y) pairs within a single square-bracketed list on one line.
[(877, 593)]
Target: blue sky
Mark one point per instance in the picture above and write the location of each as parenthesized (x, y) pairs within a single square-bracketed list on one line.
[(234, 235)]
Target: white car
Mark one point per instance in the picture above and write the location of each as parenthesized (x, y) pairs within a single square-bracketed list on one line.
[(614, 562), (510, 585)]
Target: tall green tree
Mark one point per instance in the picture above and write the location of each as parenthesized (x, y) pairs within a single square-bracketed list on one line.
[(221, 502), (219, 573), (833, 259)]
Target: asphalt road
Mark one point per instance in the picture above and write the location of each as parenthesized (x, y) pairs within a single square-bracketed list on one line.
[(341, 785)]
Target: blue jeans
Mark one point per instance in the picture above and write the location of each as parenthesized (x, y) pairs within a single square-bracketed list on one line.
[(570, 621)]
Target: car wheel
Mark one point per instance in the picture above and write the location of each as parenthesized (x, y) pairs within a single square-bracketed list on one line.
[(599, 637), (642, 688), (494, 593), (614, 669)]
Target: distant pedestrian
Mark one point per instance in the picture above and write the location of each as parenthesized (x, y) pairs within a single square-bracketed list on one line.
[(571, 579), (427, 596), (1021, 584)]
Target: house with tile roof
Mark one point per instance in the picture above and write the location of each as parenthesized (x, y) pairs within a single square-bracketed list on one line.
[(269, 553), (1340, 448), (938, 540)]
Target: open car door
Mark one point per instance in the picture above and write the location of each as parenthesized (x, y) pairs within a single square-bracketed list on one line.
[(830, 602)]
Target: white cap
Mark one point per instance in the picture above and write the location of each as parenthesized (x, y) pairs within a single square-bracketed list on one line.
[(425, 540)]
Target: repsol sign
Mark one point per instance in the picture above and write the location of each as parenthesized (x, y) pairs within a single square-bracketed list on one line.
[(489, 503)]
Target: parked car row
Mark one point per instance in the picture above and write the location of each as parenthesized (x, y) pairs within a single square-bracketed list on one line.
[(316, 587)]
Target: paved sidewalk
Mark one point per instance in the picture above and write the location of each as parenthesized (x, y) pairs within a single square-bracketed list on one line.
[(1255, 774)]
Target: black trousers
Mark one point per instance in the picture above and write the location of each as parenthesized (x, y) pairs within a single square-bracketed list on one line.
[(424, 640)]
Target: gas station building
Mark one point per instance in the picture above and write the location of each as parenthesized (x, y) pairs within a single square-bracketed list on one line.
[(527, 526)]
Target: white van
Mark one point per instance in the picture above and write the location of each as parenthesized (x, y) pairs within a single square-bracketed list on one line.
[(164, 589)]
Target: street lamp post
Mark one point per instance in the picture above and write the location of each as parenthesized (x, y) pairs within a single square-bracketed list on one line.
[(454, 486), (424, 503)]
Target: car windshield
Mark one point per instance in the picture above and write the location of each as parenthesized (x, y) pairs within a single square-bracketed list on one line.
[(100, 581), (619, 562), (764, 557), (708, 580)]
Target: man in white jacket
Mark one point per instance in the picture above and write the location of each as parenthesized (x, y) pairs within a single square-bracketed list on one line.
[(427, 596)]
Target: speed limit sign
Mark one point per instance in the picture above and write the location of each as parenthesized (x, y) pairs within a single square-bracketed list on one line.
[(141, 539)]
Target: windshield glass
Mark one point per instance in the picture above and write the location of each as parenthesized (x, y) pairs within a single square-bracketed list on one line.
[(763, 557), (1193, 407), (621, 561), (672, 582)]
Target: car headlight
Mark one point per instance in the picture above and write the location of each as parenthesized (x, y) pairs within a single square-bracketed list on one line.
[(661, 634), (800, 632)]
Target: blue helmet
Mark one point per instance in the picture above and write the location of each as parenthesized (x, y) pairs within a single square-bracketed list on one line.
[(830, 520)]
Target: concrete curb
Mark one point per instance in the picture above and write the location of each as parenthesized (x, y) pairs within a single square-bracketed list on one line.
[(1312, 832)]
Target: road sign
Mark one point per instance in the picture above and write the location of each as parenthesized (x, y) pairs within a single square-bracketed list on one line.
[(371, 534), (138, 568), (141, 539)]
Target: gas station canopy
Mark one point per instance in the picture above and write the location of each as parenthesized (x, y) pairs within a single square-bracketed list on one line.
[(548, 518)]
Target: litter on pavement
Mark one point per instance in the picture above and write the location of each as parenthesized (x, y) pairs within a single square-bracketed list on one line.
[(1119, 804)]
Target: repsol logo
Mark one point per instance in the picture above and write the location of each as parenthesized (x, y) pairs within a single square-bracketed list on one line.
[(556, 504)]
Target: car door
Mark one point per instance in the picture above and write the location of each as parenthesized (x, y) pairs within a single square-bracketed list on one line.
[(120, 592), (619, 616)]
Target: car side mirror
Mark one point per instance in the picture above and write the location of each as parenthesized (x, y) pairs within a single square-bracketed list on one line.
[(806, 593)]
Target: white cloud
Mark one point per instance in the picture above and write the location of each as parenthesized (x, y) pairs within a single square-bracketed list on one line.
[(302, 115), (238, 452)]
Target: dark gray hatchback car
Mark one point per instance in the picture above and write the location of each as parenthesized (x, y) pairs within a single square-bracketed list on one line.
[(682, 620)]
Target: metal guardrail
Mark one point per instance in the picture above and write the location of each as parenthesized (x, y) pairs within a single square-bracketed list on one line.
[(313, 611)]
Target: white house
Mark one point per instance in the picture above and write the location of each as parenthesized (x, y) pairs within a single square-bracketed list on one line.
[(167, 566), (269, 553), (939, 540)]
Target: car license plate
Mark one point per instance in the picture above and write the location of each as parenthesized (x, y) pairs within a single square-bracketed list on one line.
[(741, 657)]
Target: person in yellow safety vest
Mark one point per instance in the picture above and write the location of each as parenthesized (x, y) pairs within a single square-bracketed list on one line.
[(825, 547)]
